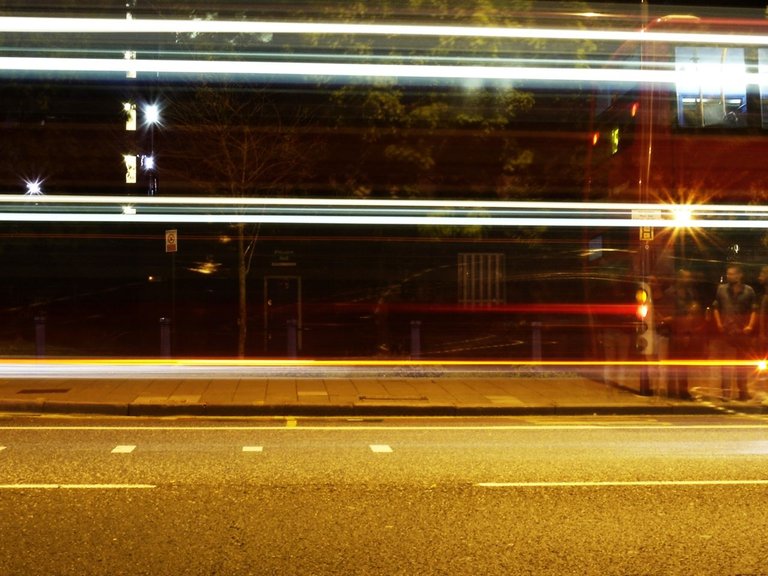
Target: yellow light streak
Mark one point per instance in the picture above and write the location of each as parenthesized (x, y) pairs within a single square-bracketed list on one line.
[(366, 362)]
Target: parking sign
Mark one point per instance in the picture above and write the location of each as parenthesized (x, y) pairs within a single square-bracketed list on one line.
[(171, 241)]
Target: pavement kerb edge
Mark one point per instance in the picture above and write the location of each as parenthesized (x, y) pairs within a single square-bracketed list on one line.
[(246, 410)]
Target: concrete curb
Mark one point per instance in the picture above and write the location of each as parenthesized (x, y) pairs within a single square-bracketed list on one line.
[(350, 410)]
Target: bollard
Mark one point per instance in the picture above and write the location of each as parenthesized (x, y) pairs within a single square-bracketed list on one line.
[(40, 335), (536, 342), (165, 337), (645, 381), (415, 339), (291, 335)]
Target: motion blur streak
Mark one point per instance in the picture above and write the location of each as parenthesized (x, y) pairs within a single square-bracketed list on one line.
[(139, 26), (324, 69), (21, 208), (320, 64), (127, 366)]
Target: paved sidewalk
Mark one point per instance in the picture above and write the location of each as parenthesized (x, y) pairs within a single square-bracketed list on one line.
[(438, 395)]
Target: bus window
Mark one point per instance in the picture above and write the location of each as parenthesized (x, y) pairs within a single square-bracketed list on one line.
[(711, 86), (762, 62)]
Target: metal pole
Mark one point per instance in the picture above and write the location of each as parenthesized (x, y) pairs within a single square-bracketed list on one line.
[(291, 337), (415, 339), (536, 342), (40, 335), (165, 337)]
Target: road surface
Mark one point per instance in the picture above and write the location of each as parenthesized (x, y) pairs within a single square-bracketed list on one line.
[(608, 496)]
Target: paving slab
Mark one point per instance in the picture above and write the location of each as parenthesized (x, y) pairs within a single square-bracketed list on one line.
[(395, 394)]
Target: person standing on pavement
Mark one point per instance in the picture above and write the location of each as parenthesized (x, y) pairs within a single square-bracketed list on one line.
[(762, 312), (735, 313), (684, 317)]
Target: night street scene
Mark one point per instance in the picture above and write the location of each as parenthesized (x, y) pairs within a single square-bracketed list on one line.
[(407, 287)]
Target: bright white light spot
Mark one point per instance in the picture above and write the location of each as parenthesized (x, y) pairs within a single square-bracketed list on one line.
[(148, 162), (129, 210), (152, 114), (34, 187), (683, 216), (762, 365)]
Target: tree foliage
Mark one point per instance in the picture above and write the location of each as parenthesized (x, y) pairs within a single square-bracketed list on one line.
[(431, 138)]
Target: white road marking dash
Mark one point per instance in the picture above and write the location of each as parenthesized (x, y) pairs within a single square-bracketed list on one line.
[(253, 448), (123, 449), (381, 448)]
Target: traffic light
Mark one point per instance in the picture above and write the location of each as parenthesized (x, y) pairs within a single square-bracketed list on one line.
[(641, 296), (645, 341)]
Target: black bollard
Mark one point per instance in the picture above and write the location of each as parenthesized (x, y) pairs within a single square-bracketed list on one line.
[(291, 335), (415, 339), (165, 337), (40, 335)]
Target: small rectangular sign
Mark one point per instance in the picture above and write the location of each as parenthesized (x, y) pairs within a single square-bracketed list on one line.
[(643, 214), (646, 233), (171, 240)]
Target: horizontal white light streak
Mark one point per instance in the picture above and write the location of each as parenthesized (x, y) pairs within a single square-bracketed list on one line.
[(366, 202), (358, 220), (497, 72), (232, 368), (214, 210), (154, 26), (351, 70)]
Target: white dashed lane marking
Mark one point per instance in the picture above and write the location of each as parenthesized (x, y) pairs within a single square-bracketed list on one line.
[(381, 448), (253, 448), (123, 449)]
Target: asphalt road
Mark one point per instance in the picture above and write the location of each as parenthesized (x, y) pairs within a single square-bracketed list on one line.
[(437, 496)]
